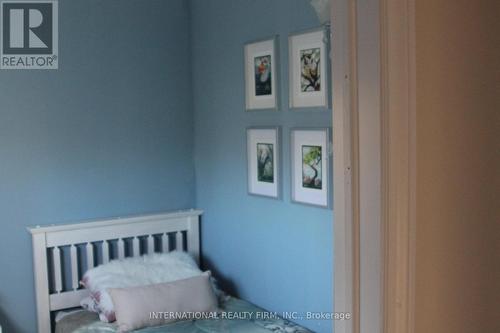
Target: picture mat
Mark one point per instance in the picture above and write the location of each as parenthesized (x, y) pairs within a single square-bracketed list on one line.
[(254, 137), (301, 194), (297, 43), (252, 51)]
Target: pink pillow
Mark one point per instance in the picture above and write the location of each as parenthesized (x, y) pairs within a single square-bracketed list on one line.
[(163, 303), (132, 272)]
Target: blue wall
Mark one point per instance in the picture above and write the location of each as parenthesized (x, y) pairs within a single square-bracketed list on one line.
[(276, 254), (109, 133)]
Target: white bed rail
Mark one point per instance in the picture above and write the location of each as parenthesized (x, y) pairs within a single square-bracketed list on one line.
[(62, 253)]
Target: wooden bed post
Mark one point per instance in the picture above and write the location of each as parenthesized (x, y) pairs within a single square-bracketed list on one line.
[(41, 282), (193, 238)]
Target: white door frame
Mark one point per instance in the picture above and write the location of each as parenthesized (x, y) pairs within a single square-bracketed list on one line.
[(344, 83), (398, 176), (398, 162)]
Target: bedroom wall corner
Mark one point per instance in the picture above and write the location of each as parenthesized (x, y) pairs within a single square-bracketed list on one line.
[(273, 253)]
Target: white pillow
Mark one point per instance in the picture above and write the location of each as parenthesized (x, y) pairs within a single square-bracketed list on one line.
[(132, 272)]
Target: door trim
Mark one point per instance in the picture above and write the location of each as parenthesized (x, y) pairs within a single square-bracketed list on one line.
[(346, 225), (398, 75), (398, 149)]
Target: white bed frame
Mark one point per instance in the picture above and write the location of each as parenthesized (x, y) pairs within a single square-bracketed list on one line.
[(89, 238)]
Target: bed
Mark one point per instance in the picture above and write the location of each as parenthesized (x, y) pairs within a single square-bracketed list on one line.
[(62, 253)]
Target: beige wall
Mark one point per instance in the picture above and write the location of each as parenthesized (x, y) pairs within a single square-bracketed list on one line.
[(458, 148)]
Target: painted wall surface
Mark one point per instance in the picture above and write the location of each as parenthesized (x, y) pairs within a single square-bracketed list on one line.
[(109, 133), (457, 246), (274, 253)]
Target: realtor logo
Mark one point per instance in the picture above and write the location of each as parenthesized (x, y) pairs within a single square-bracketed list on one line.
[(29, 34)]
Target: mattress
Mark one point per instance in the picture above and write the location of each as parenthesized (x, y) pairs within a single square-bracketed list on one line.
[(237, 316)]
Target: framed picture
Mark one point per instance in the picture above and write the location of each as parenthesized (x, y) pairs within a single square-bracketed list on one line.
[(263, 158), (310, 153), (261, 71), (309, 74)]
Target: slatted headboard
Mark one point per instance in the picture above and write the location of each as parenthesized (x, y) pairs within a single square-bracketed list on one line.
[(62, 253)]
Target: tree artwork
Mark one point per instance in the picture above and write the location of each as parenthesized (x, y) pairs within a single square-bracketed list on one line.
[(312, 167), (265, 163), (310, 70)]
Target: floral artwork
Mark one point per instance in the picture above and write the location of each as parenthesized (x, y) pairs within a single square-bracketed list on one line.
[(263, 82)]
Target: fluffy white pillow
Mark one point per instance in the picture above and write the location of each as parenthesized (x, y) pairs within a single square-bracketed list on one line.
[(132, 272)]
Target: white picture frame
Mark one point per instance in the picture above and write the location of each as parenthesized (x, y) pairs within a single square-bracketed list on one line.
[(263, 161), (261, 61), (309, 74), (310, 166)]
